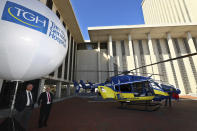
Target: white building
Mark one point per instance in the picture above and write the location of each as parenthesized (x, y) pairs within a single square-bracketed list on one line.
[(169, 11), (170, 32)]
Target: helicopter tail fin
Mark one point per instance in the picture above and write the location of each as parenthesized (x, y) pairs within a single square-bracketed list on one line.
[(106, 92)]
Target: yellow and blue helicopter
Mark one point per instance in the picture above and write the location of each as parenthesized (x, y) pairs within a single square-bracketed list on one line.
[(133, 89)]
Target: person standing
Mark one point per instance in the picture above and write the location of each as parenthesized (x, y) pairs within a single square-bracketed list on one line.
[(24, 106), (168, 101), (45, 101)]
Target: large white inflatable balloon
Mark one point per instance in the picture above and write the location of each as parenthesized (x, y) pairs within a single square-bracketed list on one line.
[(33, 42)]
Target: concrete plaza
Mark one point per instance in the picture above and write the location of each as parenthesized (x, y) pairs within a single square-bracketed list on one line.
[(81, 114)]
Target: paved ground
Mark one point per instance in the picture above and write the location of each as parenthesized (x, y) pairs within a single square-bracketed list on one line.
[(5, 112), (80, 114)]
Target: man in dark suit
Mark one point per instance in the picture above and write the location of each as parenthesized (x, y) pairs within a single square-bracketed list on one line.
[(45, 101), (24, 106)]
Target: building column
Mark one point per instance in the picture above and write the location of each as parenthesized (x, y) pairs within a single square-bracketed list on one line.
[(58, 89), (130, 58), (188, 68), (69, 45), (72, 64), (1, 84), (175, 64), (99, 62), (155, 69), (63, 69), (194, 58), (119, 57), (192, 48), (168, 67), (110, 56), (137, 57), (147, 58), (56, 73), (75, 73), (68, 89), (41, 86)]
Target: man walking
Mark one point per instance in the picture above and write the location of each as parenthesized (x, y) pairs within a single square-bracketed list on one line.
[(24, 106), (45, 101)]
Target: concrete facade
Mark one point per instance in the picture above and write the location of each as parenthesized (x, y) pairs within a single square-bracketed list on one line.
[(169, 11), (64, 74), (148, 44)]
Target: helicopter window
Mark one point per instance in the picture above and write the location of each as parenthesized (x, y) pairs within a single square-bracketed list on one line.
[(125, 88), (142, 89), (117, 88), (148, 89), (138, 87)]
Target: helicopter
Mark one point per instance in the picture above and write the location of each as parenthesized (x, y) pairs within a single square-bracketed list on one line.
[(137, 90)]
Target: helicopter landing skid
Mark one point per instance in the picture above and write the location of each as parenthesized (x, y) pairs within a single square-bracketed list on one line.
[(141, 105)]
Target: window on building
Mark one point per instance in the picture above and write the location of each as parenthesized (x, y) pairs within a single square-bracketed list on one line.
[(68, 33), (75, 45), (114, 48), (195, 43), (52, 74), (159, 46), (115, 69), (91, 46), (58, 14), (140, 46), (60, 71), (66, 66), (134, 51), (176, 44), (87, 46), (71, 59), (122, 47), (147, 48), (81, 46), (103, 45), (66, 59), (167, 47), (186, 45), (49, 4), (64, 24)]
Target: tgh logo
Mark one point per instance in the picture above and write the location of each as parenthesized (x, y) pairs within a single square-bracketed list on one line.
[(21, 15)]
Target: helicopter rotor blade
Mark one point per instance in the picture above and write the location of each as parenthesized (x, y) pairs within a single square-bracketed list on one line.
[(133, 71)]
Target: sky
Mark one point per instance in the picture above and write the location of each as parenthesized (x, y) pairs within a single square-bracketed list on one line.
[(91, 13)]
